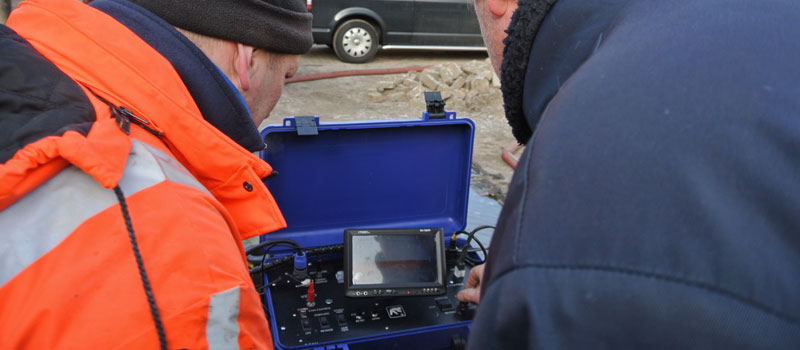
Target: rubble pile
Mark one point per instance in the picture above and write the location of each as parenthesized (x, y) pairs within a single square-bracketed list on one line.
[(464, 87)]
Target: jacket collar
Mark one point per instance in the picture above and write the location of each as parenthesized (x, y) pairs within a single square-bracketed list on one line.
[(134, 75), (547, 42), (525, 23), (218, 101)]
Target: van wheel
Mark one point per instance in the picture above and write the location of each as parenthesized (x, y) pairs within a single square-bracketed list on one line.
[(355, 41)]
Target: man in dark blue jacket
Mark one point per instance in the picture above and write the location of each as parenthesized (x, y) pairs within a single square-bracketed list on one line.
[(657, 204)]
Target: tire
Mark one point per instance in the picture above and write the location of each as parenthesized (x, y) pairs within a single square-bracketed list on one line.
[(355, 41), (5, 10)]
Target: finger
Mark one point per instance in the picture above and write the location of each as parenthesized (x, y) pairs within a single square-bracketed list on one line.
[(474, 278), (470, 295)]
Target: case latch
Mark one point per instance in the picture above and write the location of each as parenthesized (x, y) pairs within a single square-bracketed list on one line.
[(306, 125), (435, 105)]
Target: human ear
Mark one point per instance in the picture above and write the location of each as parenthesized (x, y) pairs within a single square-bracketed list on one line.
[(498, 7), (244, 60)]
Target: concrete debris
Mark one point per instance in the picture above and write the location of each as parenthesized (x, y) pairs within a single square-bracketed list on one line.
[(459, 83), (374, 96), (395, 96), (415, 93), (475, 67), (478, 83), (454, 70), (409, 82), (466, 87), (429, 79), (449, 72), (385, 85), (495, 80), (487, 73), (446, 94), (472, 95)]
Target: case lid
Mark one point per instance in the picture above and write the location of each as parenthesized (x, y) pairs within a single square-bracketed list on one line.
[(375, 174)]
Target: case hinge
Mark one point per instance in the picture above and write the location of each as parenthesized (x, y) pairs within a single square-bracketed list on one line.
[(306, 125)]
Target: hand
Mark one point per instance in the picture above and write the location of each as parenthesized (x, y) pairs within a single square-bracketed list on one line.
[(472, 288)]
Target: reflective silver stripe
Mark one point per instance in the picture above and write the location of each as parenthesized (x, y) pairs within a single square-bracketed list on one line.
[(222, 329), (38, 222), (141, 170), (171, 168)]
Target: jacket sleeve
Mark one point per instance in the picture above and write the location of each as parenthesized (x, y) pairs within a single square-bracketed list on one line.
[(588, 307)]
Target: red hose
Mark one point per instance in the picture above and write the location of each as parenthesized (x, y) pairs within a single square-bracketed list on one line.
[(508, 154), (349, 73)]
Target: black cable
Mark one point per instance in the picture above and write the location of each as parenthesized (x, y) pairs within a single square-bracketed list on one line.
[(266, 243), (453, 238), (267, 246), (151, 300), (471, 236), (271, 244), (310, 251), (278, 244), (273, 263), (253, 259), (476, 261), (270, 264), (483, 249)]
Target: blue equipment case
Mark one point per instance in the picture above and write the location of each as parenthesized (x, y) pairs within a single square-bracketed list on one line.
[(410, 173)]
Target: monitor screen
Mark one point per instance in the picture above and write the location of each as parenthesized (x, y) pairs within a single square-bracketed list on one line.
[(394, 259)]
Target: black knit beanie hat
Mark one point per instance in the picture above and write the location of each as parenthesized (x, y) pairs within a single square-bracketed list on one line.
[(276, 25)]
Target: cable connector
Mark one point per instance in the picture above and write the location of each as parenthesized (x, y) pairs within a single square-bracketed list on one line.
[(310, 295), (452, 245), (300, 265), (459, 271)]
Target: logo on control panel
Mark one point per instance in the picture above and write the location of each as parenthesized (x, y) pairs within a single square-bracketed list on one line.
[(396, 311)]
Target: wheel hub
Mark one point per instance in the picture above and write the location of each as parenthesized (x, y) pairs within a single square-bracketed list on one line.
[(357, 42)]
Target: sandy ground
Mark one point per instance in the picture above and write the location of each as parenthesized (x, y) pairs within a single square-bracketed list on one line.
[(345, 99)]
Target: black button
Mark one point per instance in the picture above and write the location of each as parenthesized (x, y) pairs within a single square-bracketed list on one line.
[(444, 304), (340, 319), (247, 186), (306, 323), (323, 321)]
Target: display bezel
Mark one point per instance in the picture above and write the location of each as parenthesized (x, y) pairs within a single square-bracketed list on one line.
[(394, 289)]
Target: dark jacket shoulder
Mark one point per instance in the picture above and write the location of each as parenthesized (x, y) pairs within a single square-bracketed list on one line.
[(660, 182), (36, 98)]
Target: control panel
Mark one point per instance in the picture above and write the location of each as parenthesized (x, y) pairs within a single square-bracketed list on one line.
[(309, 315)]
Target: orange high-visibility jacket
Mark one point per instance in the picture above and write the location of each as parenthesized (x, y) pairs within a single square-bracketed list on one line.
[(69, 278)]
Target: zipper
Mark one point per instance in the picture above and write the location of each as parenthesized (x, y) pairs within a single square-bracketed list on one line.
[(124, 117)]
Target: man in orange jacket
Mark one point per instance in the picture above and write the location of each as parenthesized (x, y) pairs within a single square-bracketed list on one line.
[(127, 173)]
